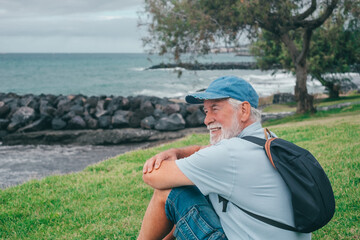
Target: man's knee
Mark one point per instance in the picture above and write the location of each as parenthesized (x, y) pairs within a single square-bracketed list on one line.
[(181, 199)]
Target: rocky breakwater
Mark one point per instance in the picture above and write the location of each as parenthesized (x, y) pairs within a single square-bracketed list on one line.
[(207, 66), (78, 119)]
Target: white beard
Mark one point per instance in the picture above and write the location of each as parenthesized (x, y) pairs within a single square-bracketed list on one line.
[(226, 133)]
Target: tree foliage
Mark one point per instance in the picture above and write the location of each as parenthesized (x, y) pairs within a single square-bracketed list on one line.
[(197, 26), (335, 48)]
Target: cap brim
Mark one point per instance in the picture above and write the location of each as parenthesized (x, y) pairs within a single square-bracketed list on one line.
[(197, 98)]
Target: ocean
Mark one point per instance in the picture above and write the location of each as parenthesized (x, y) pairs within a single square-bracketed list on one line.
[(106, 74), (126, 75)]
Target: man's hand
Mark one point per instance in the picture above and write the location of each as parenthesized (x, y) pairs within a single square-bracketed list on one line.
[(155, 161), (171, 154)]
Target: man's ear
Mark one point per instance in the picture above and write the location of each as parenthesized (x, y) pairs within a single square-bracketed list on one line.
[(245, 110)]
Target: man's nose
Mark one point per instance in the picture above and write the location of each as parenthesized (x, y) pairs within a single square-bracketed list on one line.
[(208, 119)]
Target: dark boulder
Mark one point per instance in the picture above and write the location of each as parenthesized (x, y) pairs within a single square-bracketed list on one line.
[(46, 109), (78, 100), (171, 108), (78, 110), (29, 101), (91, 122), (160, 103), (20, 118), (147, 108), (135, 119), (63, 107), (107, 102), (13, 104), (4, 109), (174, 122), (135, 102), (4, 123), (125, 103), (104, 121), (40, 124), (50, 98), (76, 122), (195, 119), (3, 133), (183, 110), (192, 108), (158, 113), (58, 124), (92, 102), (121, 119), (283, 98), (69, 116), (92, 112), (114, 105), (148, 122)]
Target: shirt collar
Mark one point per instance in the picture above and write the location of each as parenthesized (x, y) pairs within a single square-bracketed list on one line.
[(251, 129)]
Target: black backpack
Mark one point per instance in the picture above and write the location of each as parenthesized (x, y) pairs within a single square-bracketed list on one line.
[(311, 193)]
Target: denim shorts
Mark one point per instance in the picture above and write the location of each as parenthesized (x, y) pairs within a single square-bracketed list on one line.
[(193, 215)]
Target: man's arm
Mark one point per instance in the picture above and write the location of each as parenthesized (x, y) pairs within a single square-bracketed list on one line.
[(166, 177), (171, 154)]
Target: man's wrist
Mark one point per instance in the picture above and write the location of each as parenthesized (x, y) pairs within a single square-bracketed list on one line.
[(187, 151)]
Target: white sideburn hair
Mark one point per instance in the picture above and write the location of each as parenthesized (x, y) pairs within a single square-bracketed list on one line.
[(255, 114)]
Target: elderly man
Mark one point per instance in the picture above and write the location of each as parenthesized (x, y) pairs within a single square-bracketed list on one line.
[(191, 183)]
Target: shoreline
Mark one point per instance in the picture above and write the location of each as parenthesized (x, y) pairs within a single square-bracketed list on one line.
[(99, 137), (22, 163)]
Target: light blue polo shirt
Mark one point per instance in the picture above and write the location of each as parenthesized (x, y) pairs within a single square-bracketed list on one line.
[(240, 171)]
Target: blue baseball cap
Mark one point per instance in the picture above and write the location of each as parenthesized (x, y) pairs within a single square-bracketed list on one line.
[(226, 87)]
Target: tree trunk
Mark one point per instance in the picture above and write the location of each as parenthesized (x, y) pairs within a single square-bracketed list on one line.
[(334, 90), (330, 85), (303, 99)]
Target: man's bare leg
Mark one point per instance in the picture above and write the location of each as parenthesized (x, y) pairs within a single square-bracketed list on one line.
[(155, 224)]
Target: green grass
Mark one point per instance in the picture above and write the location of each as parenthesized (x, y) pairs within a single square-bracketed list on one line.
[(108, 200)]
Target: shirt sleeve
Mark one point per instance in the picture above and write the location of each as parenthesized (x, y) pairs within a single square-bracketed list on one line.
[(211, 169)]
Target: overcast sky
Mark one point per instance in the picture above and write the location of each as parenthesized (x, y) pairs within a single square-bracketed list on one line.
[(70, 26)]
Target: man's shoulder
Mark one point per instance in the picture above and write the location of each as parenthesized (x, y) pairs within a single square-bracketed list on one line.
[(236, 144)]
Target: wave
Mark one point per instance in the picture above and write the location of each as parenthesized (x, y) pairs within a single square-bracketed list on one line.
[(161, 93), (169, 69), (138, 69)]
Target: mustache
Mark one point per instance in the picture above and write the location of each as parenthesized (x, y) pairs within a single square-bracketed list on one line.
[(214, 125)]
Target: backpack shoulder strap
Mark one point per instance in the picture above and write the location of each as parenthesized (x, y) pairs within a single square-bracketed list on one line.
[(256, 140), (258, 217), (260, 141)]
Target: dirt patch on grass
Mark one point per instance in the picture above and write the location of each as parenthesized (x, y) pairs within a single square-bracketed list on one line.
[(329, 120)]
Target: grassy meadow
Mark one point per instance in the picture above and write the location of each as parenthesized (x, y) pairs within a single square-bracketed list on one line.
[(108, 200)]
